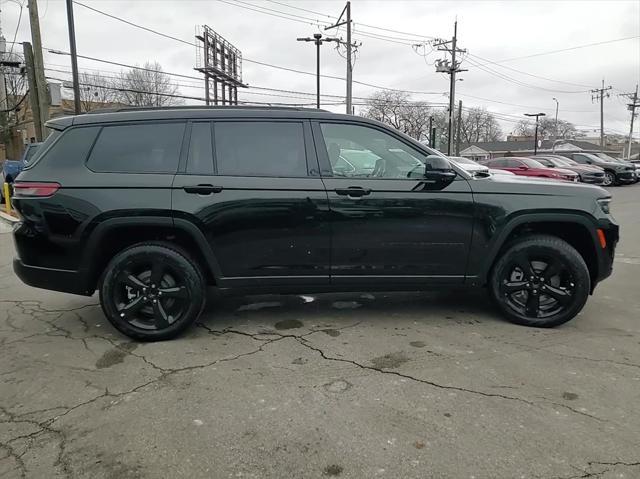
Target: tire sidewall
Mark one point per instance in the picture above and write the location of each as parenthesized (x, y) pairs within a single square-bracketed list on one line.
[(179, 264), (569, 257)]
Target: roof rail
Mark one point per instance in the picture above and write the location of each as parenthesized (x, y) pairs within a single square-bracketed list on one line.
[(201, 107)]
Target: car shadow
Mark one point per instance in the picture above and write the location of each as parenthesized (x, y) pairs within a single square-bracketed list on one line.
[(343, 308)]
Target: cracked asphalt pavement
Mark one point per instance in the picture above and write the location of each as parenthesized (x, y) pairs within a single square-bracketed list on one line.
[(411, 385)]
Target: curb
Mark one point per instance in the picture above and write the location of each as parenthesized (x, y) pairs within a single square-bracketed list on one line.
[(8, 218)]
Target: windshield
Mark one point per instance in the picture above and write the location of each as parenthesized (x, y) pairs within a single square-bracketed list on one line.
[(564, 162), (532, 163), (606, 157)]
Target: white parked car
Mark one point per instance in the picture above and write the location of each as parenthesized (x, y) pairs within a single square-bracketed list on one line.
[(475, 167)]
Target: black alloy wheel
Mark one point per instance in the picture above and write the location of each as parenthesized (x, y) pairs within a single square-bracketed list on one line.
[(537, 288), (540, 281), (152, 291)]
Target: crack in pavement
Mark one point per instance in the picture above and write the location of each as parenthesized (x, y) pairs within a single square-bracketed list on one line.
[(586, 473), (45, 426)]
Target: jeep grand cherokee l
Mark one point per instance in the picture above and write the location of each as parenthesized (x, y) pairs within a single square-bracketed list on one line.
[(151, 206)]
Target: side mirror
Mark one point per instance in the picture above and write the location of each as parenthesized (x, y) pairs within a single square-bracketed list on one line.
[(438, 172), (523, 167)]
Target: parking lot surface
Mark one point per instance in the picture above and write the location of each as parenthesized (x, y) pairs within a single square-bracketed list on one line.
[(363, 385)]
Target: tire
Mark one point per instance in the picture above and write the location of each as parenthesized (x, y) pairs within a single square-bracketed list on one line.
[(610, 178), (152, 291), (540, 281)]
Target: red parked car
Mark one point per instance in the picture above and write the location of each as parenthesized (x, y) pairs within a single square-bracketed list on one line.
[(528, 167)]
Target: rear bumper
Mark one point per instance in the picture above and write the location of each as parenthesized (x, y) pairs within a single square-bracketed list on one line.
[(66, 281)]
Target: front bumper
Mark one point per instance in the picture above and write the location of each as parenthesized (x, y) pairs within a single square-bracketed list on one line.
[(626, 177), (66, 281), (592, 178), (606, 255)]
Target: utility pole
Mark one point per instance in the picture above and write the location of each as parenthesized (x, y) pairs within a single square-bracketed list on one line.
[(599, 95), (555, 132), (458, 128), (33, 91), (318, 40), (349, 45), (443, 66), (535, 138), (431, 128), (74, 58), (632, 107), (38, 63)]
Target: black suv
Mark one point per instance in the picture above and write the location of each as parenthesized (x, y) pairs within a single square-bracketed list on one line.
[(615, 173), (151, 206)]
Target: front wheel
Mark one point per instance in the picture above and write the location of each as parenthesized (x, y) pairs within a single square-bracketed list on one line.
[(609, 178), (152, 291), (540, 281)]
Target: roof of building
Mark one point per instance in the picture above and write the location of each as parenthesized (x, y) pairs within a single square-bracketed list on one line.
[(528, 146)]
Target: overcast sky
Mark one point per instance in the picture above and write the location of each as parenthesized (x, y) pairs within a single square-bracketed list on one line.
[(490, 31)]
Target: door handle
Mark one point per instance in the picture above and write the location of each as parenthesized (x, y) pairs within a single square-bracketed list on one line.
[(202, 189), (353, 191)]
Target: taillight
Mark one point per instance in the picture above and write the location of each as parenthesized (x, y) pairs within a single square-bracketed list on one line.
[(33, 189)]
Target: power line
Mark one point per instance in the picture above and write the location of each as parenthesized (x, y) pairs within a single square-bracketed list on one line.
[(525, 73), (151, 30), (61, 52), (528, 107), (415, 35), (17, 28), (586, 45), (315, 21), (505, 77)]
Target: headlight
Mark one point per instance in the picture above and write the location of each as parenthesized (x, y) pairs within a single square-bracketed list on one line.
[(605, 205)]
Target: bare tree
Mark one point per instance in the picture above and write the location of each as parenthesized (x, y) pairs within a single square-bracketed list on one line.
[(546, 128), (148, 86), (96, 91), (397, 110), (477, 124)]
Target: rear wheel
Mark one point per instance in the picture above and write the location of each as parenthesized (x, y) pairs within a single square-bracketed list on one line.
[(152, 291), (540, 281)]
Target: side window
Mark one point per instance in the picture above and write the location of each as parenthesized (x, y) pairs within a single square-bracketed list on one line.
[(513, 163), (144, 148), (260, 148), (200, 158), (498, 163), (362, 152), (580, 159)]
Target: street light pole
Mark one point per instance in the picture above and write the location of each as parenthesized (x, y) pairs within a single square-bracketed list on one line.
[(555, 134), (317, 36), (535, 141), (318, 40)]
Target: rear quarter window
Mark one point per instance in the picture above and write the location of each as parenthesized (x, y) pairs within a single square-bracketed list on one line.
[(64, 149), (137, 148)]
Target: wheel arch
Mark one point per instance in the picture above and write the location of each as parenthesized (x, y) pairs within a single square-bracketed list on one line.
[(114, 234), (574, 228)]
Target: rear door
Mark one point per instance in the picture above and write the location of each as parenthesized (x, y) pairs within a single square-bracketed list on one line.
[(253, 187), (387, 224)]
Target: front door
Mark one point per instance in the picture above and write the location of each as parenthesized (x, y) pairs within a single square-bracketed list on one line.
[(253, 187), (387, 224)]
